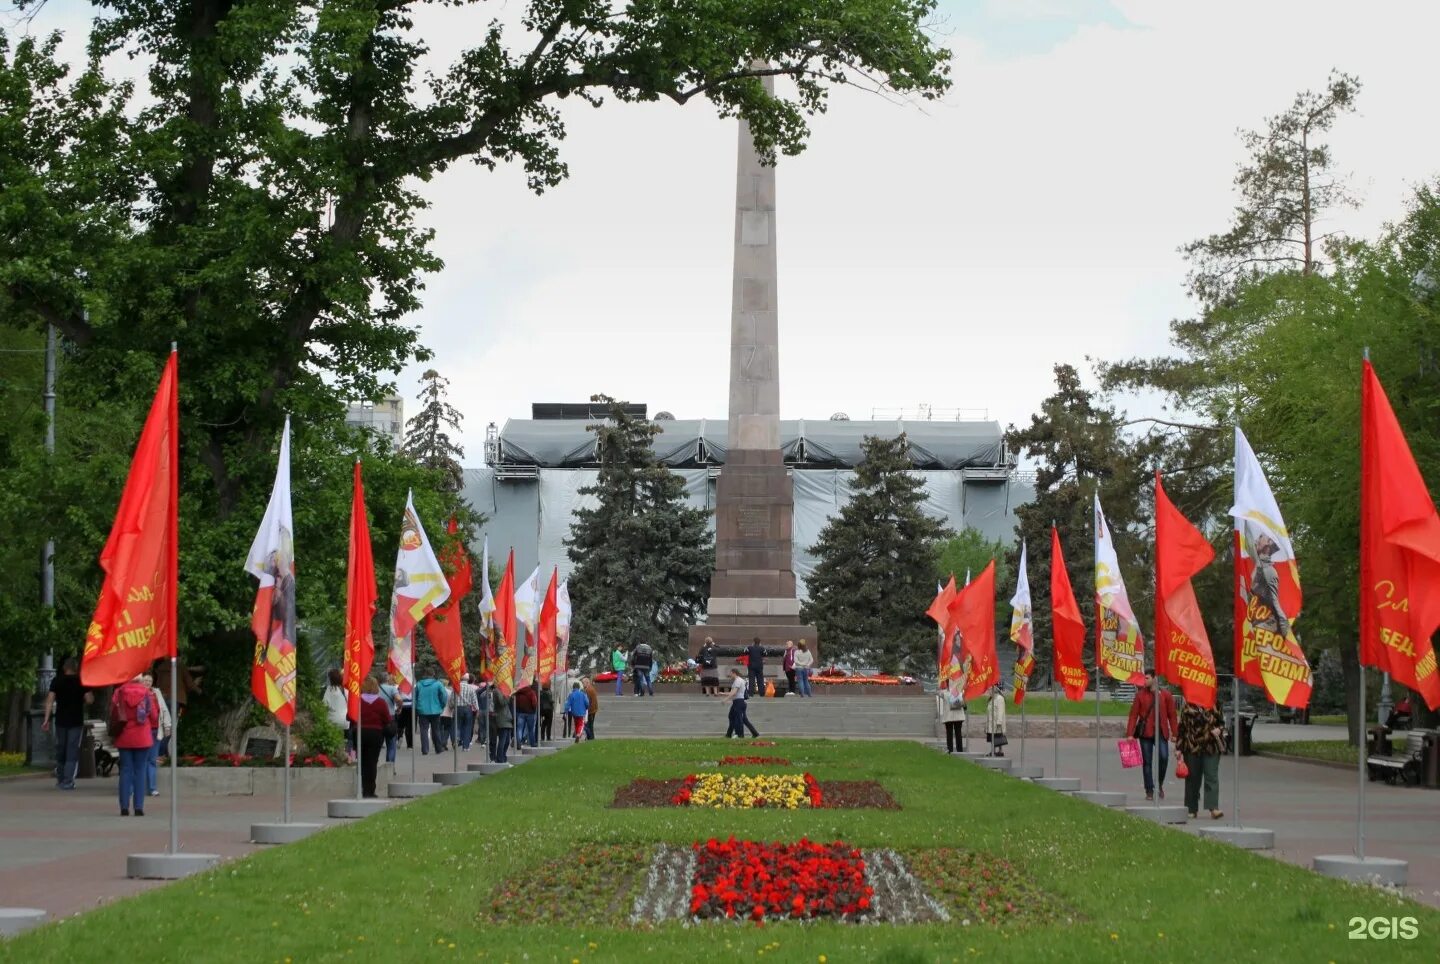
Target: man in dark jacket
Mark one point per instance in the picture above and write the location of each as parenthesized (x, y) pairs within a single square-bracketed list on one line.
[(641, 659), (1142, 725), (755, 657)]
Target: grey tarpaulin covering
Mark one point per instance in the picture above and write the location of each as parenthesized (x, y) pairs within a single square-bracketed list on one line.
[(562, 443), (533, 514)]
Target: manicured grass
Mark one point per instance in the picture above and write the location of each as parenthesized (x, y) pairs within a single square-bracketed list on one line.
[(410, 884), (18, 769), (1041, 705), (1333, 751), (1339, 720)]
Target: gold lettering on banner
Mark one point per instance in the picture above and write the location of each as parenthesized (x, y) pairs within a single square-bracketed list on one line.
[(1386, 588)]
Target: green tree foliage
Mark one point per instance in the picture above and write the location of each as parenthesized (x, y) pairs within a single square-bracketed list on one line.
[(427, 437), (876, 563), (256, 201), (643, 557)]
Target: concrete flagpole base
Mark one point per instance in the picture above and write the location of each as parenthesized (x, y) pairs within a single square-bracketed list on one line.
[(487, 769), (1246, 838), (168, 866), (355, 809), (1027, 773), (455, 778), (13, 920), (1001, 763), (515, 759), (543, 750), (281, 833), (404, 790), (1107, 798), (1060, 784), (1368, 870), (1165, 814), (973, 755)]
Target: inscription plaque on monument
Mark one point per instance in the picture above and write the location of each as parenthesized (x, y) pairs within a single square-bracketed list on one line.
[(754, 521)]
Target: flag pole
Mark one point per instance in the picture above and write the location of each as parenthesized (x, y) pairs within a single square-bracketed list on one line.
[(1097, 716), (1022, 734), (174, 755), (1235, 779), (1360, 755), (1055, 720), (360, 756), (287, 772)]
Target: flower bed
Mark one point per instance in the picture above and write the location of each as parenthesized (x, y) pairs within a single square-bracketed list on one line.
[(591, 885), (741, 761), (979, 888), (241, 760), (748, 791), (830, 794), (758, 881)]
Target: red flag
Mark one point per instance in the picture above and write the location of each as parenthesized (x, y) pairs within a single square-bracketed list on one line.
[(1182, 647), (360, 597), (972, 618), (135, 618), (442, 625), (1066, 626), (1399, 551), (940, 612), (549, 613), (505, 630)]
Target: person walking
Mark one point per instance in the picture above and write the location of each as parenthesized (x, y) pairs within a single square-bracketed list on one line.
[(738, 720), (950, 704), (708, 662), (995, 721), (804, 661), (447, 715), (132, 707), (755, 662), (337, 706), (1201, 741), (619, 663), (160, 726), (377, 726), (577, 708), (594, 698), (642, 658), (429, 700), (405, 707), (787, 666), (1151, 702), (504, 726), (485, 714), (526, 705), (65, 707), (547, 715), (465, 712), (390, 693)]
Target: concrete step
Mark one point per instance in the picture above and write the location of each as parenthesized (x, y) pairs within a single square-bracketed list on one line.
[(853, 717)]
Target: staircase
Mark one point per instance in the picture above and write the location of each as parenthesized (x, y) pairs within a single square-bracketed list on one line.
[(852, 717)]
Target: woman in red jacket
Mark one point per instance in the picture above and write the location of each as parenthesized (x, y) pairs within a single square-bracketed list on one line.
[(133, 710), (375, 720), (1143, 716)]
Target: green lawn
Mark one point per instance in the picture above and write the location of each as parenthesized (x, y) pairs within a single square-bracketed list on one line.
[(408, 884), (1038, 705), (1334, 751)]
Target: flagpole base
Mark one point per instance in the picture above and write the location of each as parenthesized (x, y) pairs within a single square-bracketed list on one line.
[(1059, 784), (1027, 773), (544, 750), (406, 791), (488, 769), (1107, 798), (13, 920), (1001, 763), (353, 809), (455, 778), (973, 755), (1246, 838), (281, 833), (1166, 814), (1366, 870), (515, 759), (168, 866)]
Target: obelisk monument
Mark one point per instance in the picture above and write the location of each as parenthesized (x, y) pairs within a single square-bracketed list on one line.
[(753, 590)]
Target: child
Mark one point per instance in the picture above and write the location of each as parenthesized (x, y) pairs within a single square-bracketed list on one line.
[(577, 707)]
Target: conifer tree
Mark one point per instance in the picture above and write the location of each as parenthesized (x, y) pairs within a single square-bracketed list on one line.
[(876, 570), (427, 440), (643, 558)]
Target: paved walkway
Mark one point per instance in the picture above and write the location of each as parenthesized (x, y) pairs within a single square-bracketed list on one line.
[(1310, 807)]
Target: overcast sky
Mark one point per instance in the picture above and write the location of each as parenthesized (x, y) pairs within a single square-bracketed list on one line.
[(949, 254)]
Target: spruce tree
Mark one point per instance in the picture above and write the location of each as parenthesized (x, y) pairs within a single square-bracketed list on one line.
[(427, 440), (876, 571), (643, 558)]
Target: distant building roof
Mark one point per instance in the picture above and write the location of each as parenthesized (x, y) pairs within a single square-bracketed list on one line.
[(811, 443)]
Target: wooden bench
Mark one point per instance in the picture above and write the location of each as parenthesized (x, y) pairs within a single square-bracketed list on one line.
[(1402, 767), (106, 756)]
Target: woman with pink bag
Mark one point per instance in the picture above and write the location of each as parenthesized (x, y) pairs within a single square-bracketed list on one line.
[(1142, 725)]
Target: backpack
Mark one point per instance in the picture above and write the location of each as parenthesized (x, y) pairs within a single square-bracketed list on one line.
[(126, 709)]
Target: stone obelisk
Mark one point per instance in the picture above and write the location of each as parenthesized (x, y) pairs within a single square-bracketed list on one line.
[(753, 590)]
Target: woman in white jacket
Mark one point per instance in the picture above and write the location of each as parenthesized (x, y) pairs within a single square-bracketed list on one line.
[(952, 713), (995, 721)]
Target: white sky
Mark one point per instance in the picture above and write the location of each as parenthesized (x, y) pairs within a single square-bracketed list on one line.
[(949, 254)]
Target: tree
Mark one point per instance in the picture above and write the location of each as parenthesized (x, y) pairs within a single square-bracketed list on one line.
[(1285, 190), (643, 558), (968, 551), (875, 567), (426, 438), (259, 206)]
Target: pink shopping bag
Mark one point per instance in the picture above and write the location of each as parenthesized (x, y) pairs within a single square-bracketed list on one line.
[(1129, 752)]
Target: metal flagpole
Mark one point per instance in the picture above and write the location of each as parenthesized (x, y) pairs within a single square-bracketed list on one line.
[(174, 757), (1235, 777), (414, 717), (360, 756), (1360, 813), (1055, 722), (1097, 716), (1022, 733), (287, 772)]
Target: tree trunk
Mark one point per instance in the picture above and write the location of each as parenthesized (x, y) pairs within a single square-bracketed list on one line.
[(1350, 666), (17, 701)]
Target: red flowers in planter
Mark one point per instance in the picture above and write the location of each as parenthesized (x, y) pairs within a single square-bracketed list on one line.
[(740, 761), (812, 789), (759, 881), (687, 789)]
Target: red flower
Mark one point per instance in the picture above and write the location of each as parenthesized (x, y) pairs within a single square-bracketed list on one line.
[(778, 881)]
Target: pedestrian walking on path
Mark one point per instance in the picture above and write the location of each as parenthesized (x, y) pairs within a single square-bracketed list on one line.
[(619, 663), (804, 661), (708, 661), (1153, 704), (755, 662), (577, 708), (995, 721), (132, 707), (1201, 742), (950, 704), (738, 720), (65, 708), (376, 724)]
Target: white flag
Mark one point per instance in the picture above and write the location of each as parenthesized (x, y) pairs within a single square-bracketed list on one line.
[(562, 628), (420, 586), (1021, 625), (527, 601), (1122, 647), (487, 598), (272, 561)]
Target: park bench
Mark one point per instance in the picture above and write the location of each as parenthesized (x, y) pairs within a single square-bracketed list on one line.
[(106, 756), (1402, 767)]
